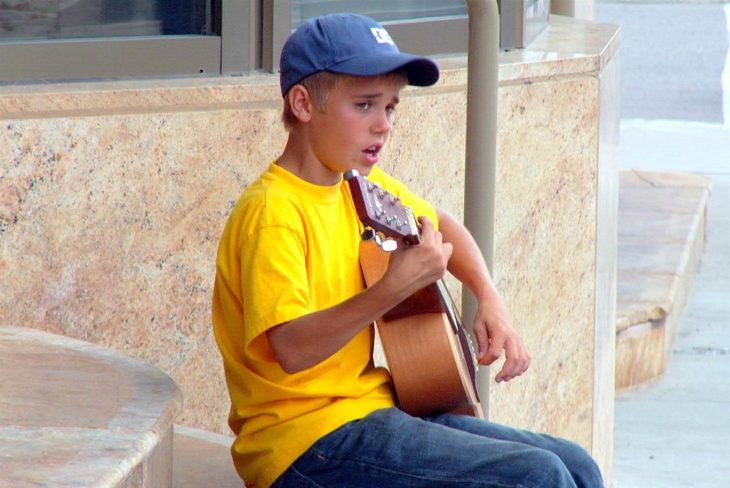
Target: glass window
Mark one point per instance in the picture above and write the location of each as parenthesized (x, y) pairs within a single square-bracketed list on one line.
[(72, 19), (55, 40), (430, 27), (383, 11)]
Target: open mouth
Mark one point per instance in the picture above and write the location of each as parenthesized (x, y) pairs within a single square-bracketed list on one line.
[(372, 153)]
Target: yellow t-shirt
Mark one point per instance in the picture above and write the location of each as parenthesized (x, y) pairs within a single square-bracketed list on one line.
[(290, 248)]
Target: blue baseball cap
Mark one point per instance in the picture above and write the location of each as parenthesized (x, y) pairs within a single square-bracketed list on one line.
[(348, 44)]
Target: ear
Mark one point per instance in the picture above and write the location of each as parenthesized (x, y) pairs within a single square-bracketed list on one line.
[(301, 103)]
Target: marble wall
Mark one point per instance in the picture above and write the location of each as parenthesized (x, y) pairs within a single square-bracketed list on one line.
[(113, 196), (545, 231)]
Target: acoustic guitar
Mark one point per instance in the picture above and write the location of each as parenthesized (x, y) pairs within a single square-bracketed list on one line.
[(429, 353)]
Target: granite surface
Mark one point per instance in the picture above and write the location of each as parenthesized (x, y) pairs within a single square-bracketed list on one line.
[(74, 414), (604, 360), (545, 249), (113, 196), (109, 231)]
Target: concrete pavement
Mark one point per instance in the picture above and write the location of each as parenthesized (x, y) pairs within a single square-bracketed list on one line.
[(672, 57)]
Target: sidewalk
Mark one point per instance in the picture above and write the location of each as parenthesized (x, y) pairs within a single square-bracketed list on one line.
[(676, 432)]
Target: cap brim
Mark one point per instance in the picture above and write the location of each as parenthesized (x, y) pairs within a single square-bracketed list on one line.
[(421, 71)]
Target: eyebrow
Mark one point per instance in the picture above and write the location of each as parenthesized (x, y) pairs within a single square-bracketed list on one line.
[(396, 99)]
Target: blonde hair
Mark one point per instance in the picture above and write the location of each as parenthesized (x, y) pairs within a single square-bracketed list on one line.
[(319, 86)]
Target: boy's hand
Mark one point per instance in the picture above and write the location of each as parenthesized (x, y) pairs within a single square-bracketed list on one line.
[(414, 267), (494, 333), (492, 324)]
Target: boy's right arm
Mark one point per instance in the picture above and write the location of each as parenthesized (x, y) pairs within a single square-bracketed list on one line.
[(306, 341)]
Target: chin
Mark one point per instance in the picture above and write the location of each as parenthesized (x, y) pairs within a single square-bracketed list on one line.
[(364, 169)]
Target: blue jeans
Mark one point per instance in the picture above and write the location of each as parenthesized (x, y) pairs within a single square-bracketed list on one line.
[(391, 449)]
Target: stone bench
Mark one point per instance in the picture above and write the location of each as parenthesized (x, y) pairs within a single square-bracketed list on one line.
[(74, 414), (661, 238)]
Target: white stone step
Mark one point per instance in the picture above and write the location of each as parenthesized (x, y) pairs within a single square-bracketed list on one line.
[(202, 459), (74, 414)]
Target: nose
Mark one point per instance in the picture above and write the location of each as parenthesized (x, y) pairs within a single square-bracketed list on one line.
[(383, 122)]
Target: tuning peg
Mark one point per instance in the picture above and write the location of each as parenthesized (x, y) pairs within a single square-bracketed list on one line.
[(389, 245), (369, 234)]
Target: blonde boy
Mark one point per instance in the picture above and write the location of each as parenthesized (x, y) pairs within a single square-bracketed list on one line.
[(293, 318)]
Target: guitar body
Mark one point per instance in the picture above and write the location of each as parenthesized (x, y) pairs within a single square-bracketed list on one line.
[(429, 356)]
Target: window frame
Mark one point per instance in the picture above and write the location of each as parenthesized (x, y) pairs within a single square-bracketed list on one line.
[(252, 34), (101, 58), (234, 51)]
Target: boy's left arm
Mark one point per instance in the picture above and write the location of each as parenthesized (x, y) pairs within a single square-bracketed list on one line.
[(492, 324)]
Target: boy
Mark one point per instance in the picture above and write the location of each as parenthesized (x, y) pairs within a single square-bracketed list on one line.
[(293, 318)]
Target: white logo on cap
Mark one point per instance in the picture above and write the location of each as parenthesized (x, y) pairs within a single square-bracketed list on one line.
[(381, 35)]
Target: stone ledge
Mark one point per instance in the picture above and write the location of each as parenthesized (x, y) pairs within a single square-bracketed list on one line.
[(75, 414), (202, 458), (662, 220)]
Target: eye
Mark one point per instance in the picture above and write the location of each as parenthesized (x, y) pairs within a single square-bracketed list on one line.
[(364, 105)]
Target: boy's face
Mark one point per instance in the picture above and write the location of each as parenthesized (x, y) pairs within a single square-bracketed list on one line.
[(353, 129)]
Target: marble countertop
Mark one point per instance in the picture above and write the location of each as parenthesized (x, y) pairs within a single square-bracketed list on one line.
[(75, 414), (567, 46)]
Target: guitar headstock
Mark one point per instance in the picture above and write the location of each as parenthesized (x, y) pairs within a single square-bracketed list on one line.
[(381, 210)]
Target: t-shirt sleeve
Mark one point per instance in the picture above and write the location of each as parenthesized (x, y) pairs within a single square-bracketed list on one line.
[(274, 284)]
